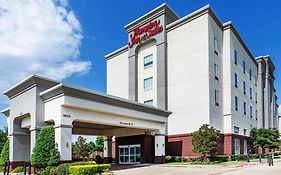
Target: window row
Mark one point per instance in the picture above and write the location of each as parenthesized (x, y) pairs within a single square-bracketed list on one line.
[(244, 87), (236, 107), (244, 66)]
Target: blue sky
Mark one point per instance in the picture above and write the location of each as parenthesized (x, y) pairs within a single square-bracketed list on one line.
[(99, 29)]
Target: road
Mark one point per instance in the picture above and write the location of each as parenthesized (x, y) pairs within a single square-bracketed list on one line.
[(257, 169)]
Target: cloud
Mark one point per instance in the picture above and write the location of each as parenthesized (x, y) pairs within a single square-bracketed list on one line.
[(39, 37)]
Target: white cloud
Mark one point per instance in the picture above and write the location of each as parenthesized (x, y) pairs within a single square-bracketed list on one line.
[(38, 37)]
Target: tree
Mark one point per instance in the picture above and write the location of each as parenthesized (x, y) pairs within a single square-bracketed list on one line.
[(265, 138), (205, 140), (44, 146), (3, 138), (99, 144), (80, 148), (4, 156), (55, 157)]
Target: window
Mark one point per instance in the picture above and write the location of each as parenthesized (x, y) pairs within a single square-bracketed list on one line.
[(235, 57), (251, 93), (235, 80), (217, 97), (236, 103), (216, 46), (244, 87), (245, 131), (245, 108), (256, 97), (251, 111), (236, 130), (148, 84), (244, 67), (216, 71), (148, 102), (251, 74), (236, 146), (256, 114), (148, 60)]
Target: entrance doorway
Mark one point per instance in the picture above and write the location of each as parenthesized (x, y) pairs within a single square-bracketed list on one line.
[(129, 154)]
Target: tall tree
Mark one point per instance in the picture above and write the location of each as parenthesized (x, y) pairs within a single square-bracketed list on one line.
[(205, 141), (99, 144), (3, 137), (4, 156), (80, 148), (265, 138)]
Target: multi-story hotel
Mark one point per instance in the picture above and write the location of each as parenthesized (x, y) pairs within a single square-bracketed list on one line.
[(174, 75), (201, 70)]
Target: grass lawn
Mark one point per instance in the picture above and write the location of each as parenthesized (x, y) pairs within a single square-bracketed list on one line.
[(211, 163)]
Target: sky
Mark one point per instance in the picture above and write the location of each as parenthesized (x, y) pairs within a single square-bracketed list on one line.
[(67, 39)]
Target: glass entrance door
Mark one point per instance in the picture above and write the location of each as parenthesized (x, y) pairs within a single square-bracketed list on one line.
[(129, 154)]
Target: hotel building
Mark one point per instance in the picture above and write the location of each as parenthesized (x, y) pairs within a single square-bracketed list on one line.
[(201, 70), (174, 75)]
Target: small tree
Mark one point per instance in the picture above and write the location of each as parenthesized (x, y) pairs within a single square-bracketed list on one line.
[(4, 156), (44, 146), (205, 141), (264, 138), (81, 148), (3, 138), (99, 144)]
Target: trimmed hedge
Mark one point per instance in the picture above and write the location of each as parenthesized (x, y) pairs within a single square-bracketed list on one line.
[(63, 169), (88, 169)]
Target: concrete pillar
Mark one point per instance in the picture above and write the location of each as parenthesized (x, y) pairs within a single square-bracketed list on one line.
[(33, 135), (63, 138), (159, 156), (107, 150), (266, 97)]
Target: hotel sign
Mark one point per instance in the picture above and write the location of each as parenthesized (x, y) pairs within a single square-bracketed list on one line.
[(145, 32)]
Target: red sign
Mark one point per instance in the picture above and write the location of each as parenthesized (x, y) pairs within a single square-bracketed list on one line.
[(145, 32)]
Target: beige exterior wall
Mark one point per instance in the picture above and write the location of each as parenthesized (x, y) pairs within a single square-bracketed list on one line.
[(118, 76)]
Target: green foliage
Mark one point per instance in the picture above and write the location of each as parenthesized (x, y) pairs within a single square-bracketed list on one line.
[(88, 169), (265, 138), (18, 169), (4, 156), (205, 140), (55, 157), (239, 157), (80, 149), (62, 169), (221, 158), (44, 144), (97, 145), (3, 138), (50, 170)]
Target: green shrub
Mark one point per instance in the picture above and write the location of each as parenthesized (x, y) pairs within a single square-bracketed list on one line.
[(50, 170), (240, 157), (62, 169), (4, 156), (168, 159), (277, 153), (18, 169), (55, 157), (44, 144), (221, 158), (178, 159), (199, 159), (88, 169), (83, 163)]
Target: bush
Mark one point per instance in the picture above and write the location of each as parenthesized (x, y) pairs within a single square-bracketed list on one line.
[(83, 163), (44, 144), (50, 170), (62, 169), (18, 169), (4, 156), (221, 158), (168, 159), (277, 153), (240, 157), (88, 169), (55, 157)]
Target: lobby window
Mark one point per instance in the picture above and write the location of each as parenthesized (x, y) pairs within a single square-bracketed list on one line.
[(148, 84), (244, 87), (235, 80), (216, 46), (217, 98), (235, 57), (148, 61), (250, 74), (236, 130), (236, 103), (236, 146), (251, 111), (148, 102), (251, 93), (245, 108), (216, 71), (244, 67), (245, 131)]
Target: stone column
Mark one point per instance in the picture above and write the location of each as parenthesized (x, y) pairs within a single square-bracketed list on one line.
[(63, 138), (159, 156), (107, 150), (266, 97)]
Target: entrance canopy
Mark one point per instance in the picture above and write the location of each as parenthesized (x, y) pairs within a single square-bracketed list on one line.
[(72, 110)]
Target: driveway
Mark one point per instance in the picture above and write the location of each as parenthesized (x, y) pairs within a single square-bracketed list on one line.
[(246, 169)]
